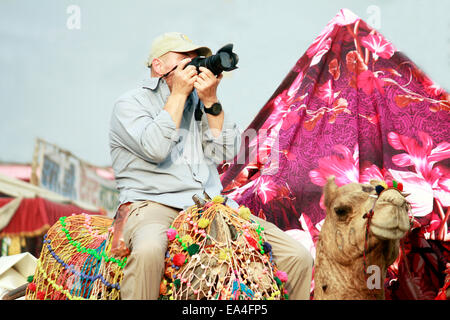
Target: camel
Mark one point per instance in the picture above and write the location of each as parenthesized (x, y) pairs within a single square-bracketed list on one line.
[(351, 263)]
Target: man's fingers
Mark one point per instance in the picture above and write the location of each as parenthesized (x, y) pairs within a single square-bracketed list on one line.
[(183, 63), (203, 76), (207, 72), (192, 72), (193, 79), (199, 81), (200, 87)]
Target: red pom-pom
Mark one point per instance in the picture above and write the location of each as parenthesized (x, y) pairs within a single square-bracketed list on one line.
[(179, 259), (40, 295), (251, 241), (400, 186), (32, 286)]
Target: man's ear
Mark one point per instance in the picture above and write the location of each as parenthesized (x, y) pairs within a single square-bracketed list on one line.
[(157, 67), (330, 191)]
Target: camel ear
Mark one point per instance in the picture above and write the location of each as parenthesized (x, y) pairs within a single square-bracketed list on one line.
[(329, 191)]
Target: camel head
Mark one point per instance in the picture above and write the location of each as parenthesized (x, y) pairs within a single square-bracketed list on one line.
[(344, 240)]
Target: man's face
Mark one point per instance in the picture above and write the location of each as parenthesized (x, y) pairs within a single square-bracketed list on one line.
[(172, 59)]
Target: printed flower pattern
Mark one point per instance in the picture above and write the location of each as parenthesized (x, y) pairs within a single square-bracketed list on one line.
[(322, 43), (379, 46), (428, 182), (369, 81)]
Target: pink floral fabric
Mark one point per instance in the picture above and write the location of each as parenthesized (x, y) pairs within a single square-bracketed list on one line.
[(355, 107)]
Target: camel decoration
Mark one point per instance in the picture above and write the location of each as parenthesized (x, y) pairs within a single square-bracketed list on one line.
[(359, 239), (215, 252)]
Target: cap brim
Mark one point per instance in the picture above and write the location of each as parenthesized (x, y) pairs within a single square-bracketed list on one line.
[(185, 47), (202, 51)]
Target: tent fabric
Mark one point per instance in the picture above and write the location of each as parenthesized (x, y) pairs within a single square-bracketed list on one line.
[(15, 269), (34, 216), (355, 107), (8, 211)]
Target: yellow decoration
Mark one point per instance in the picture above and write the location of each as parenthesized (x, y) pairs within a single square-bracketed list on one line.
[(187, 239), (218, 199), (203, 223), (383, 183), (244, 212), (224, 254)]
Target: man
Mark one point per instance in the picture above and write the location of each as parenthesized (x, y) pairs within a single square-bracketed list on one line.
[(162, 156)]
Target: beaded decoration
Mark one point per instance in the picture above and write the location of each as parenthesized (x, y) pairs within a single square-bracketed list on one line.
[(389, 185), (74, 263), (227, 258), (214, 252)]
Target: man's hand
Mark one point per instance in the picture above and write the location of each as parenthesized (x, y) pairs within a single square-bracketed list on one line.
[(184, 78), (182, 83), (206, 85)]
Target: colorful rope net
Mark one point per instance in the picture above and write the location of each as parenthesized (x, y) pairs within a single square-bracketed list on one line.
[(75, 263), (215, 252), (218, 253)]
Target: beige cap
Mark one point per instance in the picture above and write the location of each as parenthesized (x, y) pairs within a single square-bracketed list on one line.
[(176, 42)]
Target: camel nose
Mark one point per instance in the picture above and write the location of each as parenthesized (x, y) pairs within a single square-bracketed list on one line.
[(399, 202), (394, 198)]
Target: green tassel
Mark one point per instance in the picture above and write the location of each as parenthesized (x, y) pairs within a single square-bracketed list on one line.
[(177, 283), (278, 281), (193, 249)]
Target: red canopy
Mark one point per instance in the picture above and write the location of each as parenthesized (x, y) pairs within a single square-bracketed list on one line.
[(34, 216)]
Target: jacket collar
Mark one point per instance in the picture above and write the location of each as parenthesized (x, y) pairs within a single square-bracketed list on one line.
[(151, 83)]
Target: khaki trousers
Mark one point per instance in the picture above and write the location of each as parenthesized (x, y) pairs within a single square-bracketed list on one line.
[(145, 235)]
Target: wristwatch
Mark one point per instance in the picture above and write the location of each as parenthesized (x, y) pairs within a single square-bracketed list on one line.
[(215, 109)]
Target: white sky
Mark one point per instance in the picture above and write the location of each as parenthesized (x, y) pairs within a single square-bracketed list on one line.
[(61, 84)]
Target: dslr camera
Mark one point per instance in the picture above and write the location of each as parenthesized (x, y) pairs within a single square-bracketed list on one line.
[(224, 60)]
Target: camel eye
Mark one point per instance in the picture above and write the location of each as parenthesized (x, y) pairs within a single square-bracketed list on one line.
[(367, 188), (342, 210)]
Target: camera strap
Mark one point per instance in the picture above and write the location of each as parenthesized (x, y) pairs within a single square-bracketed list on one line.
[(165, 75), (198, 111)]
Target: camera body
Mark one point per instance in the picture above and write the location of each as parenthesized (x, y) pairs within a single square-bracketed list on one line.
[(224, 60)]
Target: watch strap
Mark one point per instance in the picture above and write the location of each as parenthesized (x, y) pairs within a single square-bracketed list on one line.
[(215, 109)]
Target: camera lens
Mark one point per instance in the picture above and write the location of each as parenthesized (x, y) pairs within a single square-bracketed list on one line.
[(224, 60)]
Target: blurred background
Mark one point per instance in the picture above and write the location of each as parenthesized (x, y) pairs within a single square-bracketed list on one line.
[(64, 63)]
